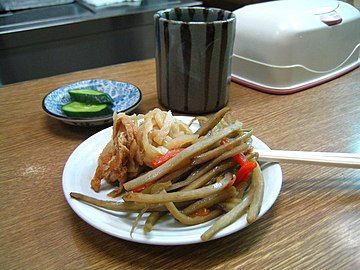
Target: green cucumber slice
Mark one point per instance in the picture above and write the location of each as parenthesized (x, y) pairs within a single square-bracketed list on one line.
[(79, 109), (91, 96)]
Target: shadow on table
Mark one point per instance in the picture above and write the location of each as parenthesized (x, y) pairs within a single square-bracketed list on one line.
[(195, 256)]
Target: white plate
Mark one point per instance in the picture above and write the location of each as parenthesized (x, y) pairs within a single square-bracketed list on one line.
[(81, 166)]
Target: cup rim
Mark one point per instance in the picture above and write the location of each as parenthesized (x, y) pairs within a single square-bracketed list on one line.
[(161, 12)]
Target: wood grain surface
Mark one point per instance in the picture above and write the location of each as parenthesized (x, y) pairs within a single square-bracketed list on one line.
[(314, 224)]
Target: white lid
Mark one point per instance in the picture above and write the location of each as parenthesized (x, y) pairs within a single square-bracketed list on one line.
[(296, 6), (297, 32)]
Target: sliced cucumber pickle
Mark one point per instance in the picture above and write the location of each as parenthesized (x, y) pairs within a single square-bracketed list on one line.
[(80, 109), (90, 96)]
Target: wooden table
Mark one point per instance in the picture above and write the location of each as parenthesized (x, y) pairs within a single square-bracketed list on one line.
[(314, 223)]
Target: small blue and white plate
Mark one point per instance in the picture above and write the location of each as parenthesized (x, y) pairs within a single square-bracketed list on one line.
[(125, 95)]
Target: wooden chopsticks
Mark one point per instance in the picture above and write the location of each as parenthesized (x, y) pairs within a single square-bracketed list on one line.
[(345, 160)]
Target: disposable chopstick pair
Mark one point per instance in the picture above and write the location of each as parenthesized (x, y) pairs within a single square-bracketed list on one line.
[(345, 160)]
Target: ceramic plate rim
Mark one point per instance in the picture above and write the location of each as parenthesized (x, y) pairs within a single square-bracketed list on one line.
[(78, 207)]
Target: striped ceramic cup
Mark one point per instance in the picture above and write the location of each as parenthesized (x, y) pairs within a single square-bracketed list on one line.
[(193, 58)]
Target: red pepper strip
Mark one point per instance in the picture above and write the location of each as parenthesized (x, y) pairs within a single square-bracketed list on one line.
[(243, 174), (201, 212), (162, 159), (142, 187), (240, 159)]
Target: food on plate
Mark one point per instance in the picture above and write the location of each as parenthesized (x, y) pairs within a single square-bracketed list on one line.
[(140, 143), (159, 165), (79, 109), (90, 96), (88, 103)]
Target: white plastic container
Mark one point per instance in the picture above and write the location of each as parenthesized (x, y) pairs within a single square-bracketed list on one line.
[(286, 46)]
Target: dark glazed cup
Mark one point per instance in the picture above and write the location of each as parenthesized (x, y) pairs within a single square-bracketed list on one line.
[(193, 58)]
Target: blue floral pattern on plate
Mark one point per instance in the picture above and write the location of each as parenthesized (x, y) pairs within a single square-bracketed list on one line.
[(125, 95)]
